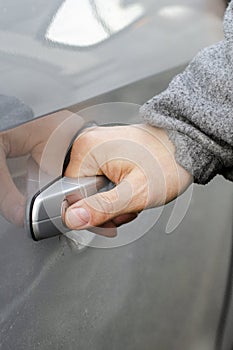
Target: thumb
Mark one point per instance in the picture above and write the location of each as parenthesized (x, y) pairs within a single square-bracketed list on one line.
[(101, 208)]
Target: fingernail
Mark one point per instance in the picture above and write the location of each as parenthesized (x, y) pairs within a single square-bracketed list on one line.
[(77, 217)]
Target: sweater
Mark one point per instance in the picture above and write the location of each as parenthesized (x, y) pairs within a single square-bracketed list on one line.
[(197, 110)]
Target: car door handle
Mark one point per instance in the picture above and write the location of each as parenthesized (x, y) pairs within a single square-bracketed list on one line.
[(46, 210)]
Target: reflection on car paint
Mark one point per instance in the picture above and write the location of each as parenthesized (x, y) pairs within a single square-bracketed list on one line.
[(178, 12), (88, 22)]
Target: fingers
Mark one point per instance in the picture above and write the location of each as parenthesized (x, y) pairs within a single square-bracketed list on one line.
[(32, 138), (112, 208), (109, 229), (12, 202), (124, 219), (138, 159), (13, 207)]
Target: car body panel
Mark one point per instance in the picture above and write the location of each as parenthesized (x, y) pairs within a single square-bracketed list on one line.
[(33, 68), (165, 291), (161, 291)]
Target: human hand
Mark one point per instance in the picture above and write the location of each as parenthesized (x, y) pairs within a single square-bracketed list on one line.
[(139, 159), (31, 139)]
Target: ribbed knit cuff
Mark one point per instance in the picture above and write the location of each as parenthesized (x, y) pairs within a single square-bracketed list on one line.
[(194, 158), (190, 154)]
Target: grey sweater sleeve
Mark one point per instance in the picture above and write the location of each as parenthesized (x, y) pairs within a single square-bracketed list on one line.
[(197, 110)]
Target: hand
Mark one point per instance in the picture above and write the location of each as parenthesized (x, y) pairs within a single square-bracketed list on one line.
[(30, 138), (139, 159)]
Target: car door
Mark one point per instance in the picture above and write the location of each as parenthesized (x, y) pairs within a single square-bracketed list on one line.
[(168, 286)]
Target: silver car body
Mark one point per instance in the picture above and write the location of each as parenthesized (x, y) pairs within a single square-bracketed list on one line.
[(161, 291)]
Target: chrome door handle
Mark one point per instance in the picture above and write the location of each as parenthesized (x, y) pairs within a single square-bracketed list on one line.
[(45, 212)]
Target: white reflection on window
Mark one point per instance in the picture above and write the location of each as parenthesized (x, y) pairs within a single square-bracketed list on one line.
[(88, 22)]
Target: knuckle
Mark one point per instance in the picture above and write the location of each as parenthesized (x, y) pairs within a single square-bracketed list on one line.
[(107, 202), (84, 143), (102, 207)]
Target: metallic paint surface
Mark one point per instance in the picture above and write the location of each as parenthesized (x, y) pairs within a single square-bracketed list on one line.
[(32, 68), (160, 292)]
